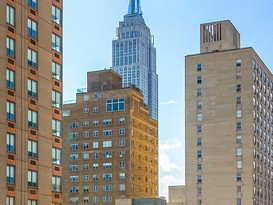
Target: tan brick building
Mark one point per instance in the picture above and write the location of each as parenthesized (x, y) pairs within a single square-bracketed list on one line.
[(30, 102), (176, 195), (110, 143), (229, 141)]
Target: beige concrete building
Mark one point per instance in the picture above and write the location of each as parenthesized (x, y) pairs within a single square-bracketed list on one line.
[(141, 201), (229, 141), (177, 195), (110, 143), (30, 102)]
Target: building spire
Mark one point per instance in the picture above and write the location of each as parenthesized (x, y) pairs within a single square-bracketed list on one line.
[(134, 7)]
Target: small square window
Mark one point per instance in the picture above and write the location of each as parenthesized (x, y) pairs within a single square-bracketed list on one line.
[(199, 92), (199, 166), (238, 113), (238, 75), (239, 164), (199, 129), (199, 141), (199, 104), (199, 117), (238, 100), (199, 154), (199, 67), (199, 179), (238, 88), (238, 126), (238, 62), (238, 176), (239, 139), (199, 79)]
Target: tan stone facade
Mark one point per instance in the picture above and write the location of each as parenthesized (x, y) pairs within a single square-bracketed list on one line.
[(110, 143), (30, 174), (177, 195), (228, 128)]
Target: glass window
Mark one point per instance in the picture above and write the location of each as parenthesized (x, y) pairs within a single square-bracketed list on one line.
[(10, 174), (107, 198), (10, 79), (113, 105), (85, 110), (107, 133), (74, 199), (56, 127), (199, 67), (85, 134), (239, 139), (10, 142), (56, 71), (95, 177), (199, 166), (199, 153), (238, 88), (10, 114), (74, 136), (238, 100), (74, 178), (122, 175), (199, 79), (107, 121), (32, 28), (85, 188), (95, 133), (199, 104), (74, 156), (56, 184), (199, 179), (122, 187), (85, 177), (33, 3), (32, 88), (95, 155), (107, 187), (31, 202), (56, 99), (199, 141), (85, 199), (122, 153), (122, 131), (32, 179), (74, 189), (32, 119), (95, 145), (85, 145), (32, 57), (122, 165), (107, 177), (85, 155), (95, 199), (238, 126), (85, 123), (10, 200), (238, 113), (238, 151), (199, 128), (10, 15), (121, 120), (107, 155), (10, 47), (107, 165), (199, 117), (238, 176), (239, 164), (56, 156), (73, 124), (56, 15), (121, 143), (32, 149), (199, 91), (56, 43), (238, 62), (107, 143), (95, 122)]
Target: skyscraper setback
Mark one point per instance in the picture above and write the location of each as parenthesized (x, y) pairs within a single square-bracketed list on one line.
[(134, 56), (229, 143), (31, 102)]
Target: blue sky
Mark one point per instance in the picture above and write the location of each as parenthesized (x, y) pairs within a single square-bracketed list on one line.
[(90, 27)]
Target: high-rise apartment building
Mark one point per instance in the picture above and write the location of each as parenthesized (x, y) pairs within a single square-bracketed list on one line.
[(134, 56), (30, 102), (229, 122), (110, 143)]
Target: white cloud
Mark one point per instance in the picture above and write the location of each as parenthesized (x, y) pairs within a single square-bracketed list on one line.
[(169, 102)]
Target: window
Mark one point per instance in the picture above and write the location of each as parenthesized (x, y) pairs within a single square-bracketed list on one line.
[(10, 15), (199, 79), (107, 143), (238, 88), (199, 128), (107, 155), (66, 113), (74, 136), (121, 120), (74, 168), (199, 166), (122, 175), (85, 166), (238, 62), (107, 187), (85, 177), (10, 79), (31, 202), (95, 145), (95, 122), (95, 177), (238, 126), (121, 143), (107, 177), (95, 155), (74, 189), (32, 28), (238, 75), (56, 43), (95, 199), (199, 91), (32, 57), (113, 105), (32, 149), (122, 131), (56, 99), (199, 141), (199, 179), (199, 191), (56, 127), (122, 187), (32, 119), (107, 199), (107, 165), (199, 117), (95, 188), (32, 88), (238, 113), (10, 47), (85, 134), (96, 109), (56, 15), (85, 155), (33, 3), (85, 123), (238, 139), (10, 200), (56, 71), (56, 184), (10, 174), (85, 110), (85, 199), (11, 111), (121, 154), (107, 133), (56, 156), (239, 164), (122, 165), (107, 121), (95, 133), (10, 142), (74, 157), (238, 176), (85, 145), (32, 179), (238, 201), (238, 100), (85, 188), (199, 153), (85, 97), (95, 166), (238, 151), (73, 124), (199, 67), (74, 199), (74, 178), (199, 104)]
